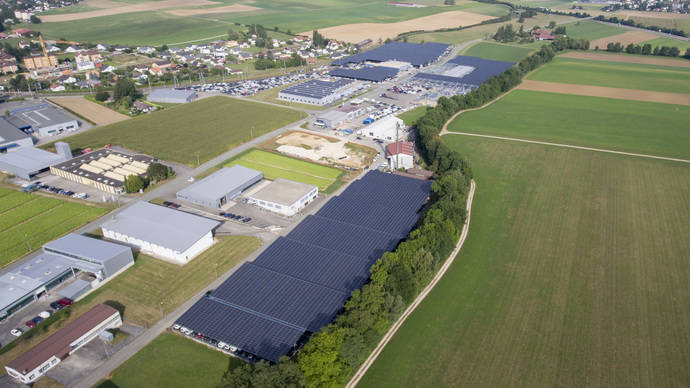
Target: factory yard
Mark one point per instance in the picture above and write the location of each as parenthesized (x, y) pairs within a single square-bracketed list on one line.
[(91, 111), (324, 149)]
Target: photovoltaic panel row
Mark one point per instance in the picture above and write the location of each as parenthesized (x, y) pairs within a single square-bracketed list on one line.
[(367, 73), (297, 302), (263, 337), (314, 264), (316, 88), (483, 70), (389, 190), (414, 53)]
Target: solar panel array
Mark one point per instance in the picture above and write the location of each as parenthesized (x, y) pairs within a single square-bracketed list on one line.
[(483, 70), (414, 53), (368, 73), (301, 281), (316, 88)]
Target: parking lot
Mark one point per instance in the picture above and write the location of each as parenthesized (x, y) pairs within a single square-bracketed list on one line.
[(252, 86)]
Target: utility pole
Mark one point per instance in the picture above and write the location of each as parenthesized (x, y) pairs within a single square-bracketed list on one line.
[(160, 306), (197, 158)]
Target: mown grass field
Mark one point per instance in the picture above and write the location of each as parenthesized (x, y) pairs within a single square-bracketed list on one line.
[(615, 75), (194, 365), (209, 126), (274, 166), (622, 125), (663, 41), (27, 221), (574, 274), (411, 116), (139, 291), (498, 52), (590, 30)]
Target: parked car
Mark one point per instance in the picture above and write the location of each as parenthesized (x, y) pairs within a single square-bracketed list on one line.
[(44, 314), (65, 302), (16, 332), (37, 320), (30, 323), (56, 305)]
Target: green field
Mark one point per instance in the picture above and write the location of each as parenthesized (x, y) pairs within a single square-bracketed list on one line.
[(498, 52), (574, 274), (622, 125), (591, 30), (194, 365), (615, 75), (27, 221), (663, 41), (274, 166), (411, 116), (208, 127)]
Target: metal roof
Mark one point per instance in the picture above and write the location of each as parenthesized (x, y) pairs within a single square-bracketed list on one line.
[(413, 53), (9, 132), (82, 246), (221, 182), (160, 225), (283, 192), (38, 116), (31, 159), (483, 70), (367, 73), (316, 88), (176, 94)]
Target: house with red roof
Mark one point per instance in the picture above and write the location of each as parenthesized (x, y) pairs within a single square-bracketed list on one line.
[(400, 154), (541, 34)]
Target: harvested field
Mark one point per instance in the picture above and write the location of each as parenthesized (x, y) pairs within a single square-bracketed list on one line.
[(625, 39), (128, 8), (208, 11), (322, 149), (359, 31), (601, 91), (627, 59), (90, 110), (659, 15)]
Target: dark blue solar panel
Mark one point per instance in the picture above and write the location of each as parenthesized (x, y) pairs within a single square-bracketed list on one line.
[(414, 53), (368, 73), (316, 88), (483, 70), (315, 264), (286, 298), (262, 337)]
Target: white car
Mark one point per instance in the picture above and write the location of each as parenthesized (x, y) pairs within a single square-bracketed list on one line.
[(44, 314), (176, 327), (16, 332)]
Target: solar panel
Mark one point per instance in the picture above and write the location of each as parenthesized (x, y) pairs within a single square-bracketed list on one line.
[(369, 73), (483, 70), (316, 88), (413, 53)]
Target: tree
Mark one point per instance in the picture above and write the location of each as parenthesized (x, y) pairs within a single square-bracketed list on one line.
[(552, 24), (560, 30), (35, 19), (687, 53), (449, 2), (134, 183), (124, 87), (157, 172), (102, 95)]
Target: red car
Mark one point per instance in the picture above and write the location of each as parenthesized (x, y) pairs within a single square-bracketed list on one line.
[(65, 301), (30, 323)]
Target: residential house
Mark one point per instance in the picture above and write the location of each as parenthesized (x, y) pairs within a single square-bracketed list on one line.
[(244, 56), (102, 47), (66, 79), (143, 107), (72, 49), (146, 50), (88, 56), (23, 44), (109, 69), (8, 66), (57, 88), (159, 67), (53, 49), (543, 34), (4, 36)]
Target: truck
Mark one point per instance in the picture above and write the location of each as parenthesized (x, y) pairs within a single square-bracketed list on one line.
[(368, 120), (348, 131)]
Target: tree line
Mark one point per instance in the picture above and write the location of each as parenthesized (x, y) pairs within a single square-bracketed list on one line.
[(268, 63), (646, 49), (630, 22)]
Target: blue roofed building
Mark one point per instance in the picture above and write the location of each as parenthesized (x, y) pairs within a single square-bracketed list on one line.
[(319, 92), (416, 54), (366, 73)]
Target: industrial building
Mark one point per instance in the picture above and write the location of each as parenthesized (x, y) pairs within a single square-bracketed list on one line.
[(466, 71), (172, 96), (333, 118), (42, 120), (284, 197), (160, 231), (103, 169), (33, 364), (388, 128), (416, 54), (12, 138), (26, 162), (60, 260), (366, 73), (400, 154), (301, 281), (319, 92), (217, 189)]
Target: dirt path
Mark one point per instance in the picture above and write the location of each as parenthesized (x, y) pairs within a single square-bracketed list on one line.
[(418, 300), (602, 91), (90, 110), (625, 58)]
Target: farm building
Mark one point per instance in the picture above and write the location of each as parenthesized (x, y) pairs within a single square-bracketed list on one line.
[(12, 138), (284, 196), (217, 189), (103, 169), (400, 154), (387, 128), (415, 54), (60, 260), (42, 120), (172, 96), (166, 233), (318, 92), (31, 365), (26, 162)]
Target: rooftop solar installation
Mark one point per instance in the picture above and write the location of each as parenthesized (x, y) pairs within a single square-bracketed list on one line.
[(483, 70), (367, 73), (414, 53), (300, 282), (316, 88)]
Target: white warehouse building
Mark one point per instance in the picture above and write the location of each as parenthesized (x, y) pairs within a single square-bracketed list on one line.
[(166, 233), (284, 196), (388, 128)]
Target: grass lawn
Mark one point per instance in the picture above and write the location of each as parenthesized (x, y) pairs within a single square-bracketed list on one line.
[(574, 274), (663, 41), (27, 221), (194, 365), (208, 127), (620, 125), (411, 116), (615, 75), (138, 292), (498, 52), (274, 166), (590, 30)]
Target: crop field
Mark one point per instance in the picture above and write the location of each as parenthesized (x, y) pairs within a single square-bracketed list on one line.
[(621, 125), (279, 166), (629, 37), (663, 41), (27, 221), (194, 365), (498, 52), (615, 75), (591, 30), (208, 127), (574, 274), (627, 58)]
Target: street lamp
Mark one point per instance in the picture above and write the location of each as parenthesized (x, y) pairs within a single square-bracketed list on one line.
[(160, 306)]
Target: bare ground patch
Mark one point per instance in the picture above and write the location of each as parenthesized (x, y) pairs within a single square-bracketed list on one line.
[(128, 8), (627, 59), (92, 111), (625, 38), (359, 31), (601, 91), (323, 149), (208, 11)]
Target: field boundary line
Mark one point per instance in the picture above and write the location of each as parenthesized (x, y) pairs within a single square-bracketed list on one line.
[(418, 300), (570, 146)]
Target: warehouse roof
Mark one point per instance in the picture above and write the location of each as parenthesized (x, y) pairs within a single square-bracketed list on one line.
[(176, 94), (316, 88), (59, 344), (367, 73), (9, 132), (160, 225), (413, 53), (38, 116), (481, 70), (85, 247), (221, 182), (31, 159), (283, 191)]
